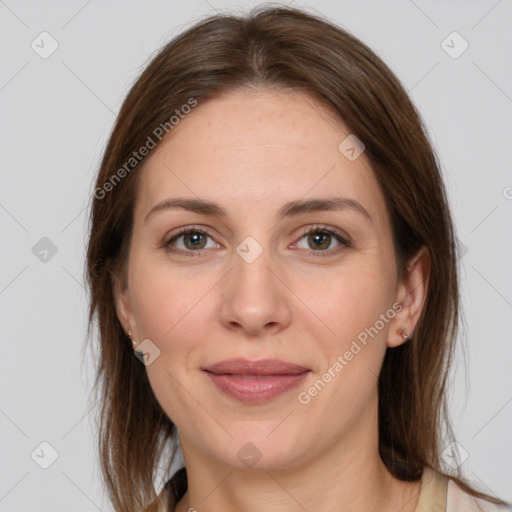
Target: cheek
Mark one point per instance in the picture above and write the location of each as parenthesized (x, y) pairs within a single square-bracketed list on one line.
[(168, 302), (347, 302), (170, 310), (357, 307)]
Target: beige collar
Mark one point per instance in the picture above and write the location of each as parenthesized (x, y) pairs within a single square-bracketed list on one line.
[(434, 488)]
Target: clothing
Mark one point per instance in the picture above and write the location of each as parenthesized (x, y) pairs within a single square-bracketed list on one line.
[(441, 494)]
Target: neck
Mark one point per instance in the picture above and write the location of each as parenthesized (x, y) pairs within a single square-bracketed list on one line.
[(348, 476)]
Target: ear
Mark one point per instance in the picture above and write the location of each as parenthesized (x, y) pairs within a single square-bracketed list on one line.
[(124, 308), (411, 294)]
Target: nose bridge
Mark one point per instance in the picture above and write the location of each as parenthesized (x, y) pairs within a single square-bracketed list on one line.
[(254, 297), (252, 261)]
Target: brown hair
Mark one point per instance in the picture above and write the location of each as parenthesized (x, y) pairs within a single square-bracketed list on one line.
[(284, 48)]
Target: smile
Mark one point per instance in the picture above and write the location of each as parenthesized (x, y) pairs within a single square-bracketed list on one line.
[(255, 381)]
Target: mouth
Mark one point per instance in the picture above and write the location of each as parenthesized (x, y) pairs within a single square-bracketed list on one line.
[(255, 381)]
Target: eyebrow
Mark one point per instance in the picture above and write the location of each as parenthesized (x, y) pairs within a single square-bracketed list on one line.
[(291, 209)]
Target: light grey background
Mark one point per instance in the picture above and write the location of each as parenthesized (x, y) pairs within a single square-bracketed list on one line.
[(56, 116)]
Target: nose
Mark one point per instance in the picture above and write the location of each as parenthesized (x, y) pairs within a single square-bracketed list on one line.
[(255, 297)]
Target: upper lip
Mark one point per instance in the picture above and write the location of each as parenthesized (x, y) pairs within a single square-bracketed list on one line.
[(260, 367)]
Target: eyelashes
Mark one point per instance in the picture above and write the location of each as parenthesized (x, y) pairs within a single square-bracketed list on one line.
[(317, 234)]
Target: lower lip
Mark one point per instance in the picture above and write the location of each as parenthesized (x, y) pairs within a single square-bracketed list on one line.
[(256, 389)]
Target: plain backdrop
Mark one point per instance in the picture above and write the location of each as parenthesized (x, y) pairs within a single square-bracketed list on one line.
[(56, 113)]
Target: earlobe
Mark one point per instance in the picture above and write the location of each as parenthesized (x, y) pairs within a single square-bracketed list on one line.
[(398, 335), (405, 336), (412, 293)]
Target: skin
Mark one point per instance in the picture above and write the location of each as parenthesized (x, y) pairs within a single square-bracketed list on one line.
[(251, 152)]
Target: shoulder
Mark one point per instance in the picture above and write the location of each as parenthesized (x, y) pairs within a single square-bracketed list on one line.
[(457, 500)]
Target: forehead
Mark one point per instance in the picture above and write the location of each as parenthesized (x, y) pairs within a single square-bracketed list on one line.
[(258, 148)]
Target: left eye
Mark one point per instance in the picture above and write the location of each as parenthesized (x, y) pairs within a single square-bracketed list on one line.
[(320, 239)]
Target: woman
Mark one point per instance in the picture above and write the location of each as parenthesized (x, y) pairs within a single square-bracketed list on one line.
[(270, 230)]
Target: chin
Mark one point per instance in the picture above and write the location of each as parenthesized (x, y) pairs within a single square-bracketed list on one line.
[(259, 448)]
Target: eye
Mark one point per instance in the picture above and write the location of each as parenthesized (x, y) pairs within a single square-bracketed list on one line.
[(321, 238), (194, 240), (191, 241)]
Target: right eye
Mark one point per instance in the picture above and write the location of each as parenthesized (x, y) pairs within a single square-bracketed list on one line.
[(193, 241)]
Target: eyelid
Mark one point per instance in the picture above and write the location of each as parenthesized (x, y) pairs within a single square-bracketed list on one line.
[(328, 229), (187, 229), (166, 244)]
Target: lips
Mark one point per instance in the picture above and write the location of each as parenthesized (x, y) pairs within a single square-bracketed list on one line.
[(261, 367), (255, 381)]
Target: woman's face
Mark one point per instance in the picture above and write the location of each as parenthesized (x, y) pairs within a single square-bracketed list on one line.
[(257, 286)]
